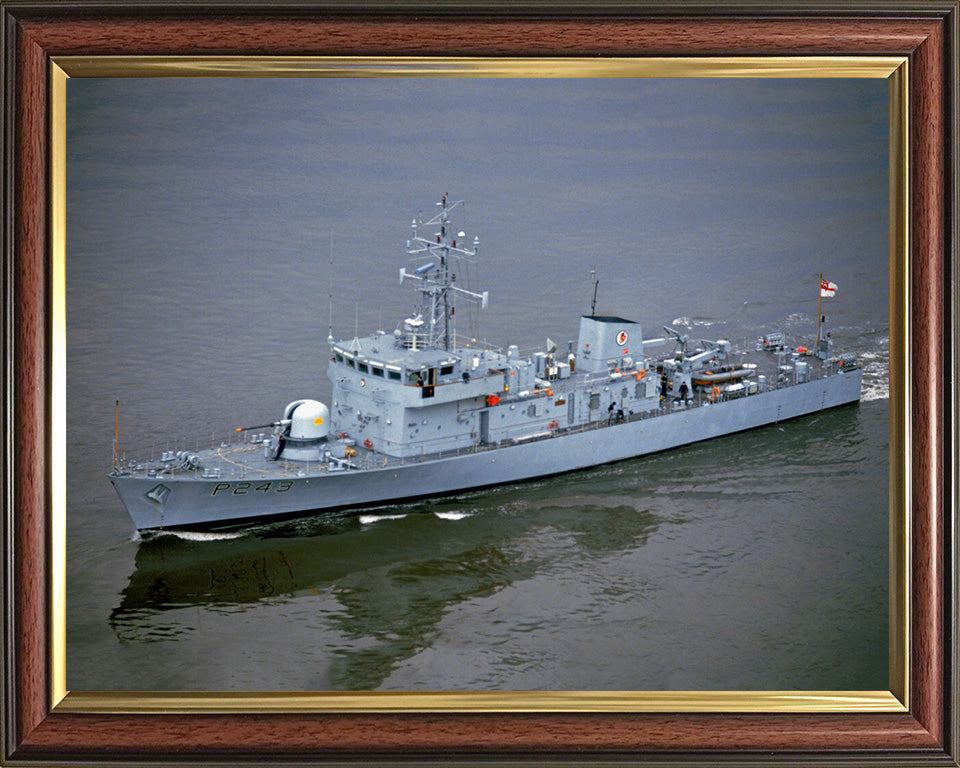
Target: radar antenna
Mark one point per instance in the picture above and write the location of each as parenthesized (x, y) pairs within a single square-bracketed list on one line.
[(436, 279)]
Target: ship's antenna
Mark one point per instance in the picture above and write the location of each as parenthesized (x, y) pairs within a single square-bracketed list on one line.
[(330, 292), (116, 441), (444, 271), (596, 284)]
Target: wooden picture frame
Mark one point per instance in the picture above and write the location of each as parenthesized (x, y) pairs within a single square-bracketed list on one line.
[(38, 731)]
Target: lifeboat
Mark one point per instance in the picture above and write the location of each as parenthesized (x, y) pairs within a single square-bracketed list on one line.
[(709, 378)]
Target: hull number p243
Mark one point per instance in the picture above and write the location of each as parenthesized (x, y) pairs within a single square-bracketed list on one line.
[(239, 489)]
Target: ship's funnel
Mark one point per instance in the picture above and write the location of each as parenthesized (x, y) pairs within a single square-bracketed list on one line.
[(606, 341)]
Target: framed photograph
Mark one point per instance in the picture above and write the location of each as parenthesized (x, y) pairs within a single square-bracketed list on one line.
[(193, 194)]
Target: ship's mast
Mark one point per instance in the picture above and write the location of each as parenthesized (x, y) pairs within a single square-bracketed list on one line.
[(596, 284), (437, 288)]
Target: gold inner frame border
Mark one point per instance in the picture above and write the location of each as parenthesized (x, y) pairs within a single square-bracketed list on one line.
[(894, 700)]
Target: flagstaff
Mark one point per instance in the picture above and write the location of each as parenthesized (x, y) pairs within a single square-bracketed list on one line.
[(827, 289), (819, 309), (116, 440)]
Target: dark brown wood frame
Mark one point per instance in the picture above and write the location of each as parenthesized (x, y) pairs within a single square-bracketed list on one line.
[(925, 32)]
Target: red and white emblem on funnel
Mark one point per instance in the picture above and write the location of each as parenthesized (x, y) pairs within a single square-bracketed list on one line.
[(622, 338)]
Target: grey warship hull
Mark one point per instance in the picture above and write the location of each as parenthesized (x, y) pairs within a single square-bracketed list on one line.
[(225, 503), (414, 414)]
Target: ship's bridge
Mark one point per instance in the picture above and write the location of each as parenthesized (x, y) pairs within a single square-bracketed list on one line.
[(371, 355), (373, 360), (377, 357), (430, 367)]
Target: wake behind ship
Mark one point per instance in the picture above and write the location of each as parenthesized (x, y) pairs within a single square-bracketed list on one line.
[(415, 415)]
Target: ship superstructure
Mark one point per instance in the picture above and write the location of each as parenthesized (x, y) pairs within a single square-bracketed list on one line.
[(419, 413)]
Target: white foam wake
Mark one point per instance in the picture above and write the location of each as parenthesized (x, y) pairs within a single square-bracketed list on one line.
[(203, 535), (371, 519), (691, 322)]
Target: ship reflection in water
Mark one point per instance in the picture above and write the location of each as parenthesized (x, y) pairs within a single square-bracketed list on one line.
[(380, 581)]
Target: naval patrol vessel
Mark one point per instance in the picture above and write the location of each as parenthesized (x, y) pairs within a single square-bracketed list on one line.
[(414, 414)]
